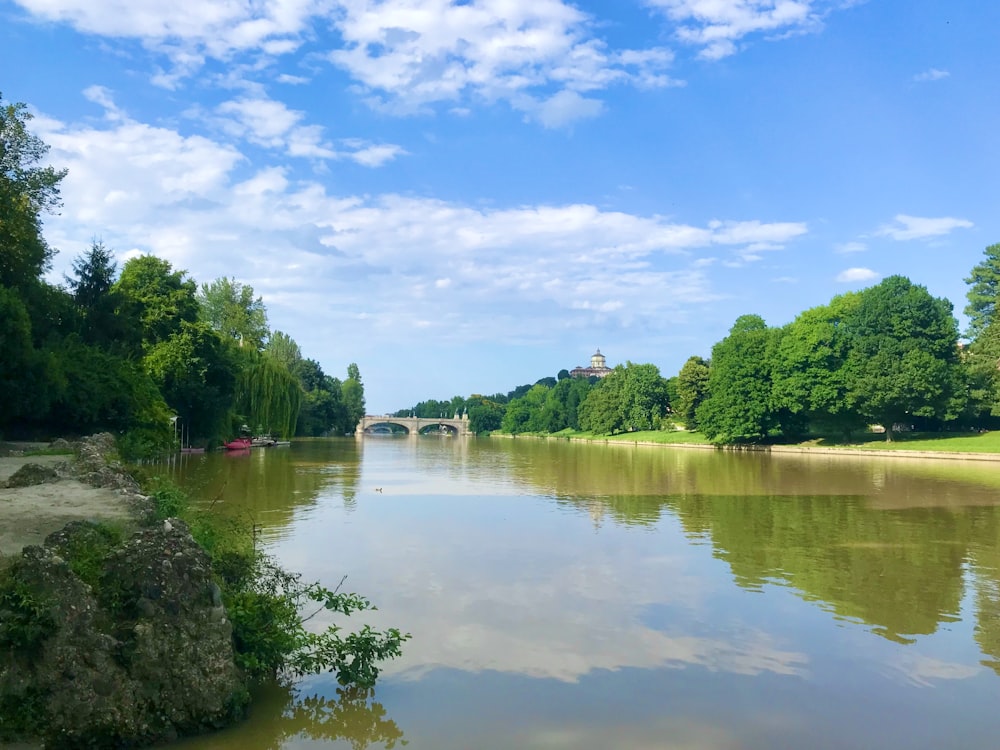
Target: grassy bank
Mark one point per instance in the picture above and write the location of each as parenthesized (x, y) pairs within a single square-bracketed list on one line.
[(676, 437), (943, 442)]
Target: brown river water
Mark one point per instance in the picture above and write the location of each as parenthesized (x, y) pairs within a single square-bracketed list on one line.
[(564, 595)]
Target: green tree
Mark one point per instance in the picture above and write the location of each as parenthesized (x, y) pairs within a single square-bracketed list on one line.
[(352, 393), (323, 410), (738, 406), (27, 190), (92, 286), (562, 404), (158, 298), (903, 359), (196, 371), (282, 347), (644, 400), (600, 412), (692, 388), (456, 407), (24, 372), (103, 391), (230, 308), (579, 388), (981, 360), (524, 414), (984, 289), (268, 397), (808, 367), (485, 414)]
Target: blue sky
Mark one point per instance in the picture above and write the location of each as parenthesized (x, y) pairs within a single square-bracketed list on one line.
[(466, 195)]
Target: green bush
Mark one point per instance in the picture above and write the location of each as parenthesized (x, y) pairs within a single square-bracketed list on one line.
[(25, 621), (145, 443), (266, 609), (86, 555), (170, 501), (267, 604)]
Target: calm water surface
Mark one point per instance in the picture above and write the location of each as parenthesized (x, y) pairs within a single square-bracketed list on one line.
[(589, 596)]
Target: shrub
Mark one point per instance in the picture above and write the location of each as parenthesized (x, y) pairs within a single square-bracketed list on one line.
[(267, 604)]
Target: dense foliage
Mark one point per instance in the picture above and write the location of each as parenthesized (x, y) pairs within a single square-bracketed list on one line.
[(141, 350)]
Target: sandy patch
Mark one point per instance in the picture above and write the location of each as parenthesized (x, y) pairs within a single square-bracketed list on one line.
[(29, 514)]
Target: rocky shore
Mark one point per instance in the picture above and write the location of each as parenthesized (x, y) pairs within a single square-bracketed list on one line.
[(111, 634), (41, 494)]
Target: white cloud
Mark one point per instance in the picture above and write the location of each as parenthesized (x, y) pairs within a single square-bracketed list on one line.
[(926, 671), (264, 120), (933, 74), (270, 123), (291, 80), (850, 247), (565, 107), (195, 202), (551, 623), (917, 228), (214, 28), (538, 55), (541, 56), (854, 275), (717, 26)]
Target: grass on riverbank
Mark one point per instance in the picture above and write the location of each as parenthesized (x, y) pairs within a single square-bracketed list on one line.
[(945, 442), (644, 436)]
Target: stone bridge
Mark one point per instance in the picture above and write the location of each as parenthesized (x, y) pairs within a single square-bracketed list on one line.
[(383, 425)]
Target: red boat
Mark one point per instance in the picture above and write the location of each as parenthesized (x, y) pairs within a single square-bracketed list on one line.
[(238, 444)]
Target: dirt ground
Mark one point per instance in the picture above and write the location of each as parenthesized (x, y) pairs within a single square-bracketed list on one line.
[(29, 514)]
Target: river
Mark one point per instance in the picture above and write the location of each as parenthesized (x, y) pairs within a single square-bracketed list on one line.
[(565, 595)]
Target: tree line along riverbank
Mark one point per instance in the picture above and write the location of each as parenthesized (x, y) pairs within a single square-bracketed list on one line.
[(142, 350), (889, 356)]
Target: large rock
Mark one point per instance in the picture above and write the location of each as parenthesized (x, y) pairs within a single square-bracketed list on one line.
[(98, 465), (144, 656), (32, 474)]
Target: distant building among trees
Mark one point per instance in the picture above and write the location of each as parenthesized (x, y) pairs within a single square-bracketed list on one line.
[(597, 369)]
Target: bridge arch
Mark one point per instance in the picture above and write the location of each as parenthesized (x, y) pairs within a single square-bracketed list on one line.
[(385, 427), (372, 424)]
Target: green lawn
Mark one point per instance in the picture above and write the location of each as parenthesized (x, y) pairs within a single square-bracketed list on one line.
[(946, 442), (648, 436)]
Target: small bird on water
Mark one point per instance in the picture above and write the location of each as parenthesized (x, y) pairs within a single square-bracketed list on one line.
[(378, 489)]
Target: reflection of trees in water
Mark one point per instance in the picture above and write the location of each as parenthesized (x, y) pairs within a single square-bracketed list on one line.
[(282, 714), (268, 486), (885, 543), (988, 620), (984, 561), (899, 571)]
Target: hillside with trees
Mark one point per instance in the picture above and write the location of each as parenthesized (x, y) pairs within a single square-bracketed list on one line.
[(887, 356)]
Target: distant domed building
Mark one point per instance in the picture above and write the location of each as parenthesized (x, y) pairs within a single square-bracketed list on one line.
[(597, 369)]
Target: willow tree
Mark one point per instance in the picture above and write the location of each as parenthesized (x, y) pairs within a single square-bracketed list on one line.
[(268, 396)]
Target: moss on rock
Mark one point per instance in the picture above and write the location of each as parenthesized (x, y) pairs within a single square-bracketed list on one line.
[(143, 656)]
